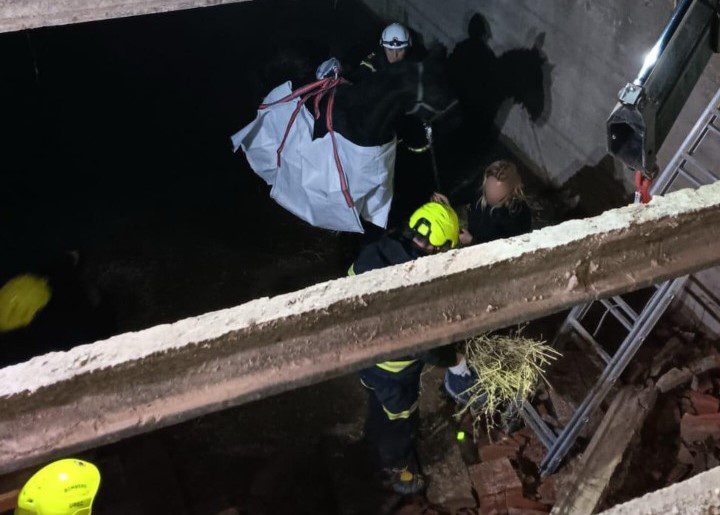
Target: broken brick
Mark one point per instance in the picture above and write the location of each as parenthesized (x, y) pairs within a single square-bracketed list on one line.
[(534, 451), (493, 504), (515, 499), (686, 406), (711, 362), (547, 491), (515, 441), (697, 428), (700, 464), (525, 433), (684, 455), (704, 404), (497, 451), (494, 477), (702, 383), (661, 359), (672, 379), (677, 473), (712, 461)]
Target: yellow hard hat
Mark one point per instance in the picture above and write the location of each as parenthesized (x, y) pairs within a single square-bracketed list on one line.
[(64, 487), (438, 223), (21, 298)]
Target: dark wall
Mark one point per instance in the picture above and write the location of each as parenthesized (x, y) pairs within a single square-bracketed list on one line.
[(117, 177)]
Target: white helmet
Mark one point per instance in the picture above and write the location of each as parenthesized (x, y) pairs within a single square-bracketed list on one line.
[(395, 36)]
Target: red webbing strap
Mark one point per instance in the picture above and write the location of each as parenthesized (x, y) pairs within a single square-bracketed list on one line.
[(642, 187), (318, 90), (343, 180)]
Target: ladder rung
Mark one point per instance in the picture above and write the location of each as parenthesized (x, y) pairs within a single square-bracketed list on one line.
[(690, 178), (713, 128), (700, 167), (616, 312), (592, 341), (630, 312)]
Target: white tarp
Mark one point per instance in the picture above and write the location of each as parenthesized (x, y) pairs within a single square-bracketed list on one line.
[(307, 182)]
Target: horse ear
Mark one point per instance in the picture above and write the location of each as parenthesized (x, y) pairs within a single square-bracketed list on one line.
[(539, 41)]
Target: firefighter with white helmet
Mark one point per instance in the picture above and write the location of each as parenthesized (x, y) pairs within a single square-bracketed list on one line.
[(395, 41)]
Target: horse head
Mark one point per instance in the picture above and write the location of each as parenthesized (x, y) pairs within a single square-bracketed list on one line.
[(431, 91)]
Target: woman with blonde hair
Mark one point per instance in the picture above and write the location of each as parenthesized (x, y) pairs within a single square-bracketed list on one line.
[(500, 211)]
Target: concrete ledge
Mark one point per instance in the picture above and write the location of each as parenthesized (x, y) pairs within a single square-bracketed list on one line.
[(30, 14), (137, 382), (697, 495)]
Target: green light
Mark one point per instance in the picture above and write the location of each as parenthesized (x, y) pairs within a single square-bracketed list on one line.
[(460, 436)]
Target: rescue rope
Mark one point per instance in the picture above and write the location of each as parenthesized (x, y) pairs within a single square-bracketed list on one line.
[(317, 91)]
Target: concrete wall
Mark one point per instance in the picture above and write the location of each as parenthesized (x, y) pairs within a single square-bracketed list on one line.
[(593, 47)]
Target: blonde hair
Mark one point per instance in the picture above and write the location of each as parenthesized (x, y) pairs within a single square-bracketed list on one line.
[(505, 172)]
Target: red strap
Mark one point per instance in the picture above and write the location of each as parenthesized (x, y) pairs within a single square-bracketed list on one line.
[(642, 187), (317, 90), (341, 173)]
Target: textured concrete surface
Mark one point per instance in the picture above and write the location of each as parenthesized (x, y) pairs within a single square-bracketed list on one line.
[(30, 14), (67, 401), (697, 495)]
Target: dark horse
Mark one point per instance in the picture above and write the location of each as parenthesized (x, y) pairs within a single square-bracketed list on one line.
[(367, 112), (371, 112)]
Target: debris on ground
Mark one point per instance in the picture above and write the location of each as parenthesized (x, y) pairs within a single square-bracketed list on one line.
[(508, 367), (681, 436)]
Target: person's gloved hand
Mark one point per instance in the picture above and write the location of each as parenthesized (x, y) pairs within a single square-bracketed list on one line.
[(329, 68)]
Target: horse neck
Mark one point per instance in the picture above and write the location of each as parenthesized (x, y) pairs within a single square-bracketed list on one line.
[(372, 107)]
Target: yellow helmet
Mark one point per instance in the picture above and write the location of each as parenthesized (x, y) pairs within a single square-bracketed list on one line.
[(64, 487), (438, 223), (21, 298)]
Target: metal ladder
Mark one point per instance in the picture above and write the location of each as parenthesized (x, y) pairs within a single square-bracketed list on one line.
[(696, 163)]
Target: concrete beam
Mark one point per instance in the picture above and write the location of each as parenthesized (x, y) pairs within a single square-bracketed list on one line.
[(699, 494), (623, 420), (94, 394), (31, 14)]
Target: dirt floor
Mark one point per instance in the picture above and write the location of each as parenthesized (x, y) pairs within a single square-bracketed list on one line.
[(125, 193)]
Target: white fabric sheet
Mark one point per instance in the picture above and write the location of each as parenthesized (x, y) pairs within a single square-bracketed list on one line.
[(307, 182)]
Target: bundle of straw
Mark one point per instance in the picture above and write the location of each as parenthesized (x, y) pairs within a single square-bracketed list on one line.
[(508, 369)]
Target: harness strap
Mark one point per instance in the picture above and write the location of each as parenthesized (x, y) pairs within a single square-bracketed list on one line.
[(316, 90), (368, 65), (420, 96)]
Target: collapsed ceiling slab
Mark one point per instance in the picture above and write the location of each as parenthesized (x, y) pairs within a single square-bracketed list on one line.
[(31, 14), (132, 383)]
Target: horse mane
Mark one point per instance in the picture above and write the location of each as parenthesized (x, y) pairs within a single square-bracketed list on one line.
[(378, 84)]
